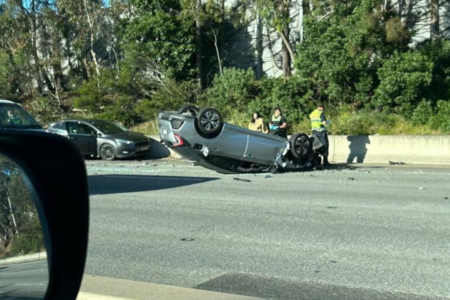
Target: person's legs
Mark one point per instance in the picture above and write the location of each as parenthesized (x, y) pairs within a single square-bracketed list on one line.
[(327, 145), (323, 137)]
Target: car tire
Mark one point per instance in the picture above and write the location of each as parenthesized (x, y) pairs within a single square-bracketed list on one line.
[(189, 109), (300, 146), (209, 122), (107, 152)]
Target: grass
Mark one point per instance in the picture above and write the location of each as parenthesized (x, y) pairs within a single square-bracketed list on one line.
[(147, 128), (344, 123)]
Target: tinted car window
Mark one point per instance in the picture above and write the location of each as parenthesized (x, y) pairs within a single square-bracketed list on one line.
[(72, 127), (14, 116), (85, 129), (75, 128), (107, 127), (60, 126)]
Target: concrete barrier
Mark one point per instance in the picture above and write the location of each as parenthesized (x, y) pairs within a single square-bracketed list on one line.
[(103, 288), (410, 149), (23, 258), (384, 148)]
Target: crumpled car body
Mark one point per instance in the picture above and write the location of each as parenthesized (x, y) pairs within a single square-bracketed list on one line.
[(233, 150)]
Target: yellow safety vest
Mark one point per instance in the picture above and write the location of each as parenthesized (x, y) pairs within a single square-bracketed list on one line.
[(15, 120), (316, 123)]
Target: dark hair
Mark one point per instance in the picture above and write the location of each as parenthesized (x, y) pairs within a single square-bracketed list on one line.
[(277, 108), (257, 116), (321, 105)]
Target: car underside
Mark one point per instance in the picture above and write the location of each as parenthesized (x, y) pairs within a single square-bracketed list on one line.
[(202, 137)]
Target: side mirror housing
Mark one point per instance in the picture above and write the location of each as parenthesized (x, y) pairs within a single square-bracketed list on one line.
[(56, 175)]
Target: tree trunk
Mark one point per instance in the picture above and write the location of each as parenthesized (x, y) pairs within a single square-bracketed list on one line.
[(198, 48), (56, 65), (400, 8), (92, 39), (434, 20), (407, 18), (222, 32), (259, 48), (33, 37), (301, 12), (286, 52)]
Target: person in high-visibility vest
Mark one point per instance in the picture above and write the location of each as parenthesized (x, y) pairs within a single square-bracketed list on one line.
[(319, 129), (278, 124), (13, 119)]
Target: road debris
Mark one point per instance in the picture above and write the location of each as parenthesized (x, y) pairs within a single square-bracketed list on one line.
[(144, 164), (242, 179), (187, 240), (397, 163), (445, 198), (351, 178), (421, 188), (267, 176)]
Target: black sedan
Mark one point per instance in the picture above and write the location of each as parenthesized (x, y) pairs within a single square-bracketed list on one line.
[(103, 139)]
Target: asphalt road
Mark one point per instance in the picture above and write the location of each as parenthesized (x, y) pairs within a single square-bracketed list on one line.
[(26, 280), (367, 233)]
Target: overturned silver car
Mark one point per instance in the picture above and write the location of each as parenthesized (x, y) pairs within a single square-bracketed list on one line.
[(202, 136)]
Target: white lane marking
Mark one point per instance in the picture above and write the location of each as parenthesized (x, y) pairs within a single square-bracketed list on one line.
[(154, 178), (29, 284)]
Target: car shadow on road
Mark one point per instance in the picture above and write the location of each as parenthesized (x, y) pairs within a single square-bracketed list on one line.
[(122, 183)]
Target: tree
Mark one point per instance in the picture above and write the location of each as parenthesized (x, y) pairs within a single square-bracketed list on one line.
[(434, 19), (276, 14)]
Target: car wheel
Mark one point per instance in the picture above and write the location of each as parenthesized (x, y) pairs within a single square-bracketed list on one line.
[(209, 122), (300, 146), (107, 152), (189, 110)]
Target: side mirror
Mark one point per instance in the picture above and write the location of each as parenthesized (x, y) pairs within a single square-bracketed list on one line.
[(99, 134), (44, 216)]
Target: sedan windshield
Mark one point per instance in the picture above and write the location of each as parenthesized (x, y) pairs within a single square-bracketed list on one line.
[(14, 116), (107, 127)]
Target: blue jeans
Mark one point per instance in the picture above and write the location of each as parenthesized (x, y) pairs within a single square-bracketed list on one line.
[(323, 138)]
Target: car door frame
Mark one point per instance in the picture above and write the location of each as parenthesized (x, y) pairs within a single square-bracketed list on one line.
[(87, 143)]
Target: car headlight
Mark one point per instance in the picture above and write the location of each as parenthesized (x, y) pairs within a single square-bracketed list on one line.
[(124, 142)]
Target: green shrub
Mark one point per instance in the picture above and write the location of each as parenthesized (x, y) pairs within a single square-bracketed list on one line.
[(423, 113), (29, 240), (46, 110), (91, 97), (287, 94), (171, 96), (404, 78), (441, 120), (231, 90)]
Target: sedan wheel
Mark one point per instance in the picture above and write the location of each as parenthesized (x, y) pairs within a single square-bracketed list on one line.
[(301, 146), (209, 122), (107, 152)]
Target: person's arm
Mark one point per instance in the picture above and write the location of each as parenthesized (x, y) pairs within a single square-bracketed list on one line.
[(264, 128), (323, 119), (284, 124)]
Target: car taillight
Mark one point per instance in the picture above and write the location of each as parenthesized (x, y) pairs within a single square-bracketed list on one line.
[(179, 141)]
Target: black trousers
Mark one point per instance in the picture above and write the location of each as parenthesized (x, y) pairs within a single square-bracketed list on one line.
[(323, 137)]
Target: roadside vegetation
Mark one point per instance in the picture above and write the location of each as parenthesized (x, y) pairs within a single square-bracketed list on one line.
[(125, 60), (20, 228)]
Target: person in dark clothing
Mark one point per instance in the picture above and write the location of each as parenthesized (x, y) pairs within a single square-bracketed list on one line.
[(278, 125), (319, 129)]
